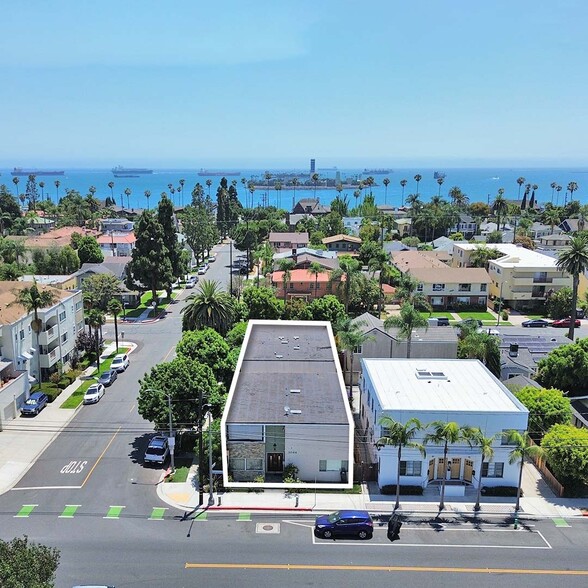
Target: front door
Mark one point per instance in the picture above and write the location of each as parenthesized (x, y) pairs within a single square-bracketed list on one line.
[(468, 470), (275, 462), (440, 468), (431, 469), (455, 468)]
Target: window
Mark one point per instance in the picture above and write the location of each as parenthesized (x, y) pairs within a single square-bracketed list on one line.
[(481, 300), (410, 468), (245, 432), (332, 465), (483, 287), (358, 349), (78, 305), (252, 463), (64, 337), (237, 463), (385, 431), (420, 288), (438, 287), (62, 316), (22, 334), (492, 470), (464, 287)]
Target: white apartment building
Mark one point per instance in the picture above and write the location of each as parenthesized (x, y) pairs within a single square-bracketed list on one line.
[(462, 391), (520, 276)]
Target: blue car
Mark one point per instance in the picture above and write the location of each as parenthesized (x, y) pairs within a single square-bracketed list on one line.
[(36, 402), (356, 523)]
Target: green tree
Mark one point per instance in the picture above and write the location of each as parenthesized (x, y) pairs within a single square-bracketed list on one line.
[(236, 335), (574, 261), (32, 299), (407, 291), (27, 565), (400, 435), (547, 407), (182, 379), (565, 368), (286, 266), (523, 449), (326, 308), (349, 337), (482, 346), (208, 307), (95, 321), (446, 434), (315, 269), (150, 267), (406, 322), (89, 250), (165, 217), (499, 207), (114, 308), (485, 444), (482, 255), (55, 260), (262, 303), (347, 275), (100, 289), (558, 304)]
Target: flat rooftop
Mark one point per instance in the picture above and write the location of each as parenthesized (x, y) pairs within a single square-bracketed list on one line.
[(443, 385), (288, 373), (514, 255)]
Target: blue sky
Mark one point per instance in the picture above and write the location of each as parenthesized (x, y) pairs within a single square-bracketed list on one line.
[(274, 82)]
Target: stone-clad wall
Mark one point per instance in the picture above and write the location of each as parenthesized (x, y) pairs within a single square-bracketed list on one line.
[(249, 450)]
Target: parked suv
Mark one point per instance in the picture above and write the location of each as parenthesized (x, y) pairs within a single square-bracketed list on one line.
[(157, 450), (344, 523), (36, 402), (120, 362)]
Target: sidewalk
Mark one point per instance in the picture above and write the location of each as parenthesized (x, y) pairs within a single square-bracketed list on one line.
[(184, 496), (23, 440)]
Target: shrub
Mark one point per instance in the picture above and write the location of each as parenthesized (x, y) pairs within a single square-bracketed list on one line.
[(290, 473), (407, 490), (500, 491), (55, 377)]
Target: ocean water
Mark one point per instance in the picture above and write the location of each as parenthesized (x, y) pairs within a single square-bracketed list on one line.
[(480, 184)]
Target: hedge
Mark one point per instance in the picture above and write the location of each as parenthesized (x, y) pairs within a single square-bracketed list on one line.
[(500, 491), (404, 490)]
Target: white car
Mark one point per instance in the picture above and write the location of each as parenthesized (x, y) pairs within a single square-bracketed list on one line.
[(93, 394), (488, 331), (120, 362)]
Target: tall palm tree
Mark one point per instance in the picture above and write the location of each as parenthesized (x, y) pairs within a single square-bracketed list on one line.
[(208, 307), (57, 184), (558, 189), (500, 207), (485, 444), (386, 182), (315, 178), (181, 191), (356, 195), (551, 217), (403, 184), (553, 186), (42, 186), (400, 435), (285, 266), (208, 184), (369, 182), (278, 187), (128, 194), (524, 449), (417, 179), (440, 182), (266, 254), (520, 182), (114, 308), (268, 176), (574, 261), (111, 186), (315, 269), (148, 195), (572, 187), (95, 321), (295, 183), (15, 181), (32, 299), (413, 200), (348, 272), (349, 337), (446, 434), (406, 322)]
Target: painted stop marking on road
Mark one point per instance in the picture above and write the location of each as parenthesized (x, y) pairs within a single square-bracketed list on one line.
[(74, 467)]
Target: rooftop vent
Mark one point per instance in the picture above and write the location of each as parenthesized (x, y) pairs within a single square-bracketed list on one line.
[(423, 374), (295, 411), (294, 390), (513, 350), (284, 341), (296, 347), (296, 338), (278, 356)]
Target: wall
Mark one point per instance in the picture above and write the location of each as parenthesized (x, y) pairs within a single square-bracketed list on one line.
[(12, 396), (254, 450)]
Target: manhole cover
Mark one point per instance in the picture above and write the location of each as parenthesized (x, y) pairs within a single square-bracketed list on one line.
[(267, 528)]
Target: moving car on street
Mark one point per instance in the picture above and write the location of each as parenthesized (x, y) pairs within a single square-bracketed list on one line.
[(94, 393), (120, 362), (536, 323), (108, 377), (565, 322), (36, 402), (344, 523), (157, 451)]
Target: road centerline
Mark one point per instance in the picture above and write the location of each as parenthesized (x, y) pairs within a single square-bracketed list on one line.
[(100, 457)]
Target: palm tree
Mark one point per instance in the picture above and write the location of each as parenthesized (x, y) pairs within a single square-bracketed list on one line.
[(32, 299), (114, 308), (128, 194), (446, 433), (487, 453), (349, 337), (520, 182), (111, 186), (295, 183), (95, 321), (407, 321), (500, 207), (553, 186), (208, 184), (413, 200), (208, 307), (386, 183), (482, 255), (574, 261), (403, 184), (315, 178), (440, 182), (268, 176), (524, 449), (417, 179), (369, 182), (181, 191), (15, 181), (551, 217), (356, 195), (148, 195), (315, 269), (349, 269), (42, 186), (572, 187), (266, 254), (286, 266), (558, 189), (57, 184), (400, 435)]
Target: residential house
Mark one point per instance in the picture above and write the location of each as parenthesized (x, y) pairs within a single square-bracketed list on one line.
[(40, 224), (538, 230), (342, 244), (393, 246), (288, 241), (14, 390), (56, 281), (434, 342), (461, 391), (117, 244), (405, 261), (304, 256), (287, 405), (352, 224), (520, 276), (555, 241), (402, 225), (59, 326), (572, 225), (310, 206), (56, 238), (465, 225), (116, 225), (303, 284)]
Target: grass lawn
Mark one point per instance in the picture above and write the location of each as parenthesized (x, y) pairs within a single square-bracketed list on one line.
[(436, 314), (183, 465), (146, 302), (482, 316)]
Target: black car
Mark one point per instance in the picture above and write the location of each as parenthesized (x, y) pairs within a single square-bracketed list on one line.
[(442, 321), (536, 323), (342, 523), (108, 377)]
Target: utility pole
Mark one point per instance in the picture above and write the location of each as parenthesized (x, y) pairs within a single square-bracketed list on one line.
[(200, 452), (171, 440), (231, 266), (210, 489)]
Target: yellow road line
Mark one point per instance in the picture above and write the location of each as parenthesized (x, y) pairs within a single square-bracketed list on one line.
[(172, 349), (101, 456), (244, 566), (132, 407)]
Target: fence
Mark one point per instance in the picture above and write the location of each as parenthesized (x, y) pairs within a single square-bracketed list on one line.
[(549, 478)]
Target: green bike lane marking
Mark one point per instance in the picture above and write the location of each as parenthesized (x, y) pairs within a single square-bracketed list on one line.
[(157, 514), (559, 522), (244, 516), (25, 511), (114, 512), (69, 511)]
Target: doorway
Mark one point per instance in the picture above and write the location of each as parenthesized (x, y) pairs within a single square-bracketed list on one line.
[(468, 470), (275, 462), (455, 468)]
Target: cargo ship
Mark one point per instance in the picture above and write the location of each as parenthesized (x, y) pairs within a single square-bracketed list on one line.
[(377, 172), (19, 171), (130, 172), (215, 173)]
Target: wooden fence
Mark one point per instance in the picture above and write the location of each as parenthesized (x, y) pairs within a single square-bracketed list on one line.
[(549, 478)]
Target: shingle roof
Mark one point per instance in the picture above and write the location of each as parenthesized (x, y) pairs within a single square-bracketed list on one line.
[(409, 260), (341, 237)]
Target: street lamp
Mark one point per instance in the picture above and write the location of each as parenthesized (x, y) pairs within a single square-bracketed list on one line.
[(209, 429), (500, 303)]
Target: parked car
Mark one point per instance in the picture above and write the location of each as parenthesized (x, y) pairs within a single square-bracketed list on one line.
[(344, 523), (212, 259), (94, 393), (488, 330), (202, 270), (580, 313), (442, 321), (192, 281), (36, 402), (157, 451), (565, 322), (108, 377), (536, 323), (120, 362)]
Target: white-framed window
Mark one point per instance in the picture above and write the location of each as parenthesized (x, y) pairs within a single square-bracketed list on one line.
[(463, 299), (358, 349), (437, 300), (78, 305), (493, 469), (64, 337), (438, 287), (333, 465), (410, 468), (481, 300), (482, 287), (464, 288), (62, 316)]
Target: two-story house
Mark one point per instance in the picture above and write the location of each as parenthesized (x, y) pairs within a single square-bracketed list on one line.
[(304, 284), (304, 256), (287, 241), (117, 244), (465, 225), (342, 244)]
